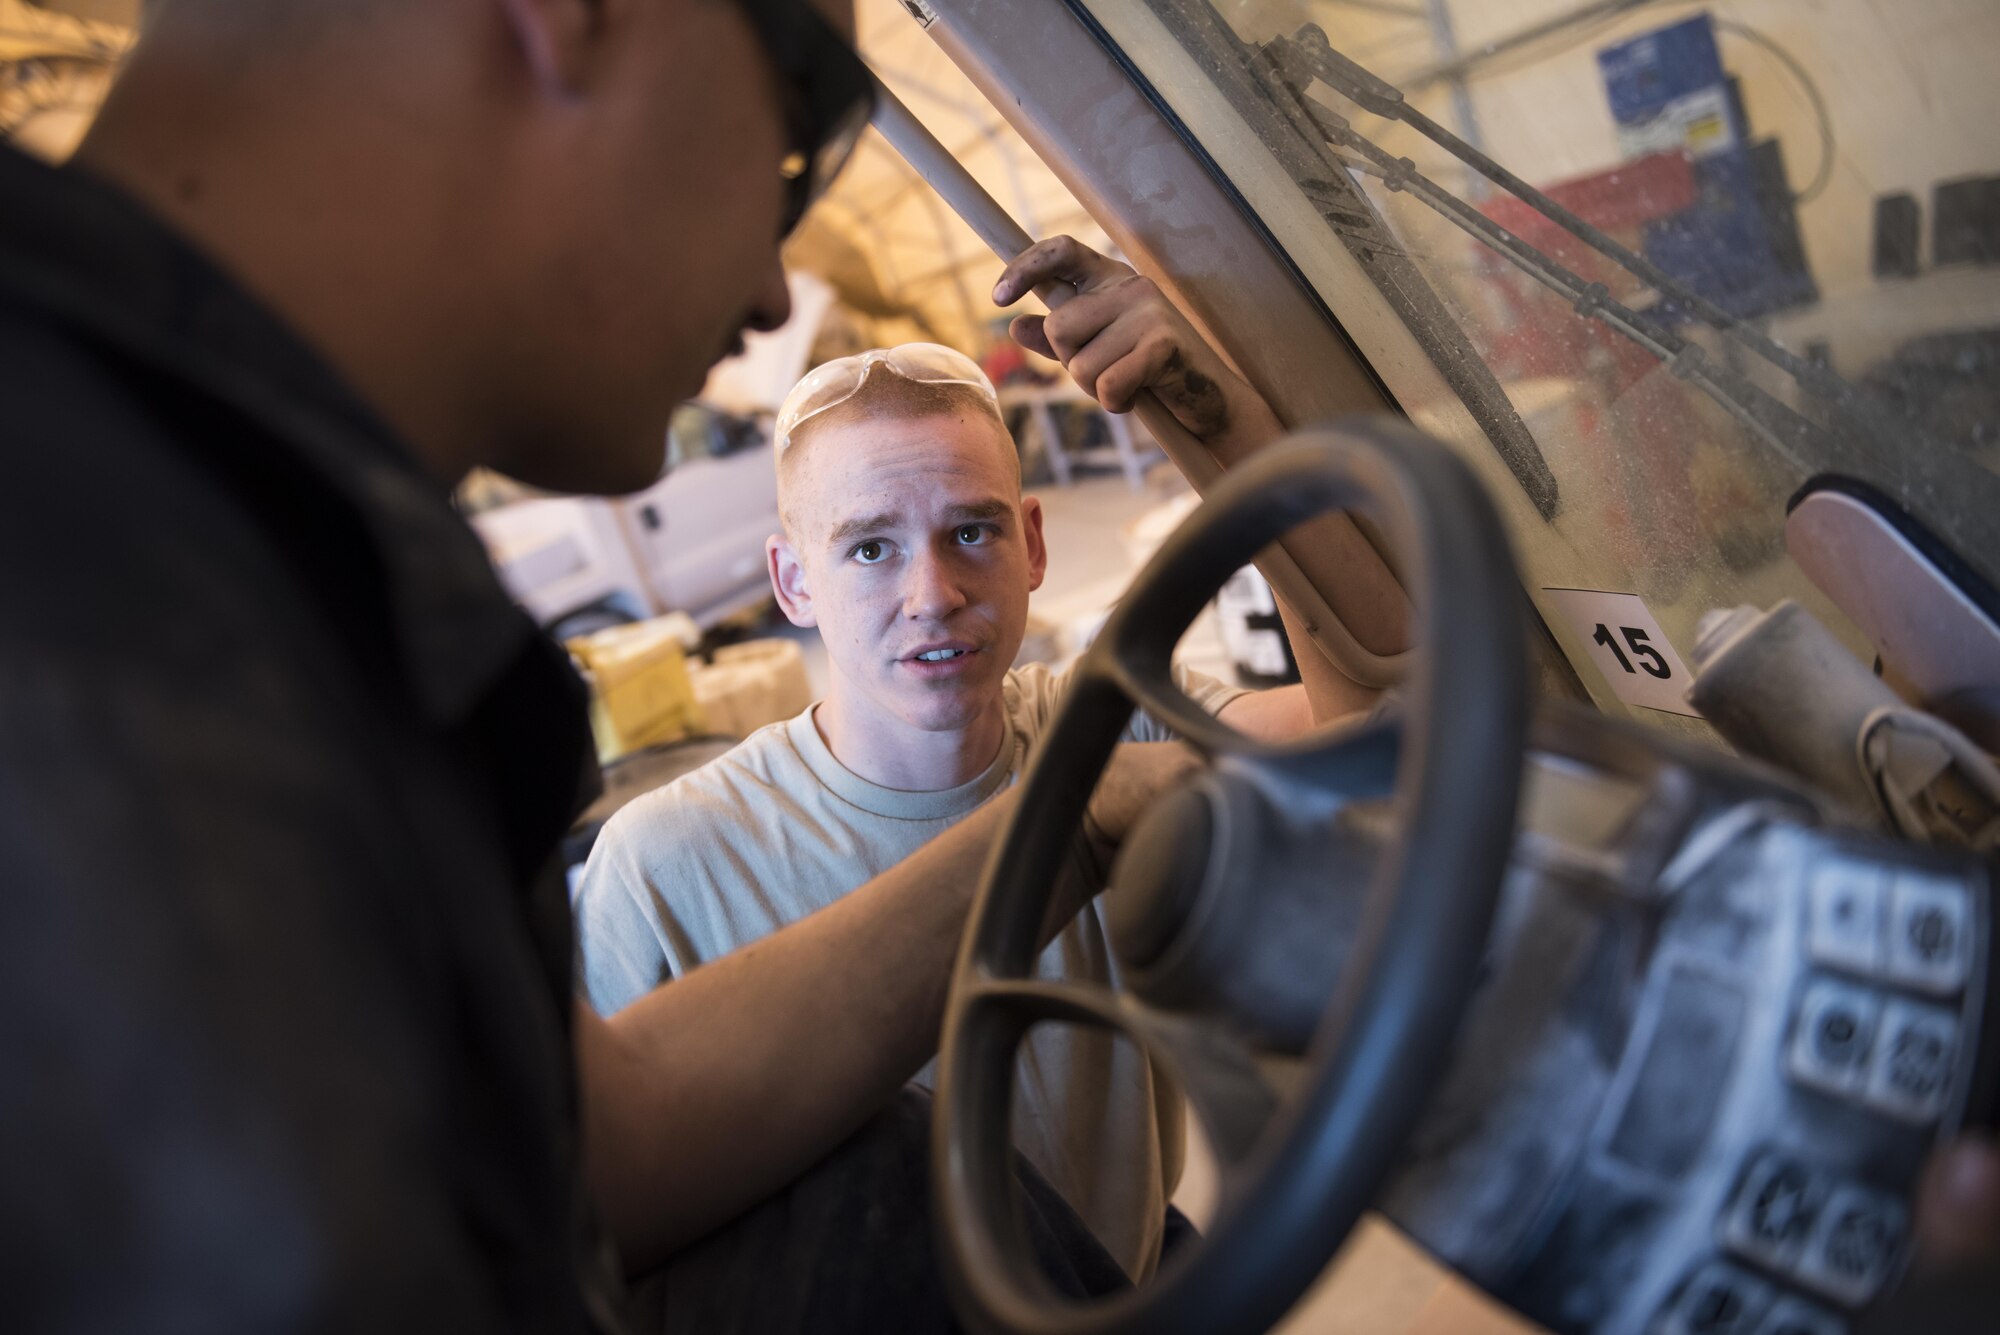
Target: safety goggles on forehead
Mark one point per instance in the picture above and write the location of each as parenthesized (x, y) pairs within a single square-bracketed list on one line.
[(835, 382), (831, 95)]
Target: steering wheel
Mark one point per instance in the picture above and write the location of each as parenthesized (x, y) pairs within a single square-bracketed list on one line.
[(1236, 943)]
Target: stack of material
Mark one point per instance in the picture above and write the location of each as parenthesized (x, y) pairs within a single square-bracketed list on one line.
[(751, 684), (1041, 642), (640, 691)]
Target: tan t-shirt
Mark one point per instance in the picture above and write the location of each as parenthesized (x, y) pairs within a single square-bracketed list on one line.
[(777, 828)]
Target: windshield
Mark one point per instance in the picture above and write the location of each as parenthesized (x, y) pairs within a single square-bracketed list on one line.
[(1652, 267)]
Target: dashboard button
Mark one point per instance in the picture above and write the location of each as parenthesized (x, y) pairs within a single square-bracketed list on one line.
[(1844, 928), (1719, 1299), (1832, 1036), (1773, 1211), (1910, 1070), (1854, 1245), (1930, 941), (1789, 1316)]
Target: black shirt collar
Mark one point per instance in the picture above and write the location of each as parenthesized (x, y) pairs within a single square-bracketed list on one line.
[(89, 256)]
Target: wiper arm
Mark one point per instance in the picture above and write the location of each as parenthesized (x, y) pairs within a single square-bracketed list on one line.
[(1309, 56)]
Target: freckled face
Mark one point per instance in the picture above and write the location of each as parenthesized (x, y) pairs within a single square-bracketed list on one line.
[(917, 552)]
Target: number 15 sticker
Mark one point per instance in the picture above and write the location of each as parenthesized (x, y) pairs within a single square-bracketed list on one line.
[(1628, 646)]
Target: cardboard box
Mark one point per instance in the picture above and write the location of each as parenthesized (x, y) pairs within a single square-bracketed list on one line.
[(640, 692), (748, 685)]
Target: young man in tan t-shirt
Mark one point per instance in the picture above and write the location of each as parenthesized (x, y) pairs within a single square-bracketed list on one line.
[(909, 544)]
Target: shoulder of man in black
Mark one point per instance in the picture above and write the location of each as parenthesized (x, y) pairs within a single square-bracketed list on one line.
[(284, 952)]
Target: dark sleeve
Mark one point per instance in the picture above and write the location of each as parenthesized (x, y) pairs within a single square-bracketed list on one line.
[(223, 1101)]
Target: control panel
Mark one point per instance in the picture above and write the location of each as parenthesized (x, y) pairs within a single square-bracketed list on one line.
[(1697, 1101), (1812, 1232)]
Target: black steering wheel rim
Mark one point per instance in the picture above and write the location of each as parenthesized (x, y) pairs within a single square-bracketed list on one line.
[(1386, 1036)]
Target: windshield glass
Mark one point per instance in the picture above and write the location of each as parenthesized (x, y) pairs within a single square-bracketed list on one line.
[(1653, 267)]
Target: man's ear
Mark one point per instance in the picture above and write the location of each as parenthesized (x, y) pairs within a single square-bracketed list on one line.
[(788, 581), (558, 39), (1038, 550)]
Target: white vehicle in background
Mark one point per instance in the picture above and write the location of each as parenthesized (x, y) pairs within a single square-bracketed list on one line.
[(700, 530), (692, 542)]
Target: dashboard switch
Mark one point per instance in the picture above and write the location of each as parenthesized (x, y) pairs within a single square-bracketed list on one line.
[(1833, 1035), (1774, 1211), (1854, 1245), (1930, 940), (1789, 1316), (1845, 924), (1719, 1299), (1910, 1070)]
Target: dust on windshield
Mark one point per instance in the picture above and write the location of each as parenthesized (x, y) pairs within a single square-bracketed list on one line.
[(1663, 264)]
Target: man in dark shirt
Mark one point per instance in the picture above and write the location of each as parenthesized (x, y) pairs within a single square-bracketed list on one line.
[(290, 1038)]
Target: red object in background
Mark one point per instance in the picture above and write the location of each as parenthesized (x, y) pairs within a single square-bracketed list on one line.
[(1004, 361), (1638, 426), (1618, 199)]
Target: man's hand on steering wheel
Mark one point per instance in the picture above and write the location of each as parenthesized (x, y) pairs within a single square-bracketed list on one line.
[(1119, 335), (1138, 774)]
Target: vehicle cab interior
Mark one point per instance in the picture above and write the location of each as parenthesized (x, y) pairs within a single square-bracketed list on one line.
[(1624, 968), (1637, 294)]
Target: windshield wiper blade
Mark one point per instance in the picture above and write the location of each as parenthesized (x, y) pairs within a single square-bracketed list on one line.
[(1309, 55), (1777, 424)]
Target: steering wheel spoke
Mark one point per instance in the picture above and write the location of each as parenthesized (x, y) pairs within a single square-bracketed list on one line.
[(1214, 1068), (1353, 762), (1225, 1086)]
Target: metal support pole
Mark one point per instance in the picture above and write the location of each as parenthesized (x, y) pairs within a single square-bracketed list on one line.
[(1005, 237), (1446, 43)]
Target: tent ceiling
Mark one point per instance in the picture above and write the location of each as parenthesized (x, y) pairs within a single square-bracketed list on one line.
[(894, 251), (891, 248)]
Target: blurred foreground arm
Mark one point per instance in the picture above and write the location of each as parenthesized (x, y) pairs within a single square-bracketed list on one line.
[(715, 1090)]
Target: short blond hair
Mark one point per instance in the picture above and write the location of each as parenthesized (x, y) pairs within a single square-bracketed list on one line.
[(892, 398)]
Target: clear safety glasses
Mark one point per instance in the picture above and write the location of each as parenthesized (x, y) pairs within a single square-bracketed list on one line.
[(835, 382)]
